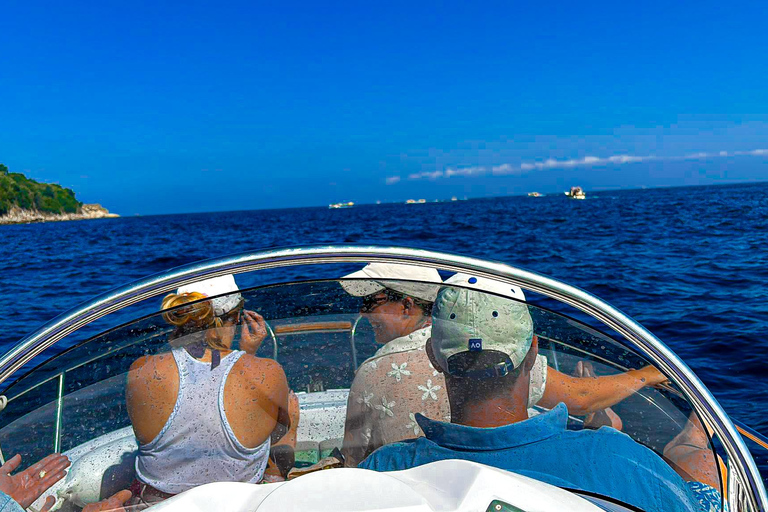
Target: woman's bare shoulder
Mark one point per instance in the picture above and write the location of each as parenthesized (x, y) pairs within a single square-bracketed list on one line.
[(151, 363), (260, 365)]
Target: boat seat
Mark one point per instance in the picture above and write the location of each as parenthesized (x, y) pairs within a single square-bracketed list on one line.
[(105, 465), (100, 468)]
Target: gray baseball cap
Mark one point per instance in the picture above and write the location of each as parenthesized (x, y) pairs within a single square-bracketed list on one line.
[(471, 320)]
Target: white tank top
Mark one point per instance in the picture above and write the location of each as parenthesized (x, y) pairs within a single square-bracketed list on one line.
[(197, 445)]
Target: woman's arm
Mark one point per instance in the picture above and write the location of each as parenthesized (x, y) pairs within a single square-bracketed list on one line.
[(585, 395)]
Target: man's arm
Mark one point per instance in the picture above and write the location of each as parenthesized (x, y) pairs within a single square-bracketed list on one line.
[(585, 395)]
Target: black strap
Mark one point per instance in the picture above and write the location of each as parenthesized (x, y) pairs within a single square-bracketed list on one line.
[(197, 350)]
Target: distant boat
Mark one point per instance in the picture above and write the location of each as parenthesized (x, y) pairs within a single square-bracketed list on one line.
[(416, 201), (335, 206), (535, 194), (576, 193), (454, 198)]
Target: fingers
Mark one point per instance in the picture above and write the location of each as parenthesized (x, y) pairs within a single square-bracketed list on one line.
[(259, 320), (11, 465), (253, 332), (51, 463), (122, 496), (114, 502), (253, 317), (48, 471), (50, 501), (652, 376), (51, 478)]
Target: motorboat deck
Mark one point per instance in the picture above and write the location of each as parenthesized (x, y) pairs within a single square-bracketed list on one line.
[(73, 401)]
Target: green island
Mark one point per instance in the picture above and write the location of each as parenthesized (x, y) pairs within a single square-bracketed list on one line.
[(18, 190), (25, 200)]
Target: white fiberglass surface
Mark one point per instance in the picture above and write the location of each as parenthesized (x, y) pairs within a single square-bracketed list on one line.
[(329, 375)]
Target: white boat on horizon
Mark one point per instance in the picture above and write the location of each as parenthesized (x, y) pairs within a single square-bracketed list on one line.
[(576, 193), (336, 206)]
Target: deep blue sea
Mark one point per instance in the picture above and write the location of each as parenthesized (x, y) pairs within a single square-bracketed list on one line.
[(690, 263)]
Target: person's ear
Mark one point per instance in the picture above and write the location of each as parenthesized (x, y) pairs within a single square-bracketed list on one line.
[(408, 305), (431, 356), (530, 357)]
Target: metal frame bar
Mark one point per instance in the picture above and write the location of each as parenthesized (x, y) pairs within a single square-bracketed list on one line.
[(352, 334), (647, 344), (59, 415), (272, 337)]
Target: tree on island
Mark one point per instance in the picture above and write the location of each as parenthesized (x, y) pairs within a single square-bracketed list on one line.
[(22, 192)]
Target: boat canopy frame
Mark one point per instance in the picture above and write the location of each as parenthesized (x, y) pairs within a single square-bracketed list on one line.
[(745, 486)]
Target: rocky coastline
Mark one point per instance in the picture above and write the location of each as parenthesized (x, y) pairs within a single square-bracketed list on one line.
[(87, 211)]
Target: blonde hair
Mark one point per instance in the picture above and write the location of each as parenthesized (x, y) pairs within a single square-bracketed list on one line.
[(197, 315)]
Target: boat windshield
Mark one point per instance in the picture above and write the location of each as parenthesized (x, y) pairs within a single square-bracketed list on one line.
[(284, 380)]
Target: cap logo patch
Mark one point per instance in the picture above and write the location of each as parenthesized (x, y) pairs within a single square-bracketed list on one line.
[(475, 344)]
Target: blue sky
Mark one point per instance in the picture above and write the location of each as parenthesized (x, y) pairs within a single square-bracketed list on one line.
[(177, 107)]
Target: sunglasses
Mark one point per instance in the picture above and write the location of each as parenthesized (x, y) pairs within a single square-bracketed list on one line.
[(371, 302), (235, 315)]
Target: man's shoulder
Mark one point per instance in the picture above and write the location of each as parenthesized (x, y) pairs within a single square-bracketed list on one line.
[(393, 456), (604, 436), (616, 446)]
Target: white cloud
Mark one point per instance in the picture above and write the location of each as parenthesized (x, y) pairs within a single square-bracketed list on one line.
[(429, 175), (467, 171), (500, 170), (587, 161), (392, 180)]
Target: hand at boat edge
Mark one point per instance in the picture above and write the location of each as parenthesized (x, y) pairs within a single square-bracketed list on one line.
[(112, 504), (28, 485), (652, 376)]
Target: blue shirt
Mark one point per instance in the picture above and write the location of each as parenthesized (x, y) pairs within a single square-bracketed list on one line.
[(603, 461), (7, 504)]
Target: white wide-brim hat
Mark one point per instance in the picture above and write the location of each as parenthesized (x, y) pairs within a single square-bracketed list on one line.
[(216, 287), (411, 280)]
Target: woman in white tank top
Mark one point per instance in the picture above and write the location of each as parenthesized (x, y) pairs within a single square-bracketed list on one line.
[(204, 412)]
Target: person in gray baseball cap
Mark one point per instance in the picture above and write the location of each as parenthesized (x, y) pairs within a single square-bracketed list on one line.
[(485, 347)]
